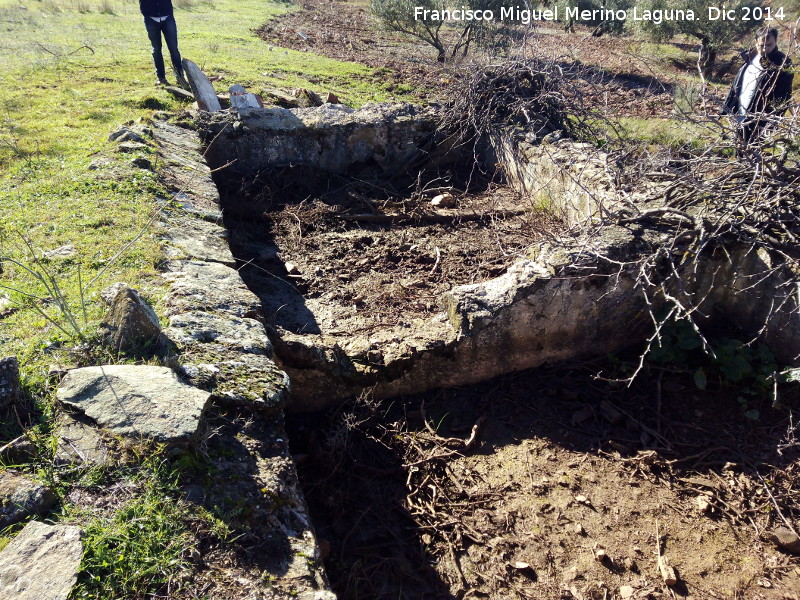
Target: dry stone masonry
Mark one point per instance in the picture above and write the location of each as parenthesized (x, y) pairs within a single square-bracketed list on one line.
[(557, 303)]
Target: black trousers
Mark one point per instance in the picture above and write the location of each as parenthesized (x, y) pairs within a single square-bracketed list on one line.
[(169, 29)]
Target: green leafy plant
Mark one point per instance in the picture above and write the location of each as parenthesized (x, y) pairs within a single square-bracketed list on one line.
[(724, 361)]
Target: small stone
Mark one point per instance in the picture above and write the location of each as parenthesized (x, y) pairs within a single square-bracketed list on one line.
[(140, 162), (785, 539), (578, 529), (132, 147), (62, 252), (703, 503), (331, 98), (10, 390), (626, 592), (124, 134), (446, 200), (291, 268), (525, 569), (41, 563), (130, 325), (18, 450), (20, 497), (600, 554)]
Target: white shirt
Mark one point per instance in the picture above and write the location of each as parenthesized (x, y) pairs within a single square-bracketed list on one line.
[(159, 19), (750, 83)]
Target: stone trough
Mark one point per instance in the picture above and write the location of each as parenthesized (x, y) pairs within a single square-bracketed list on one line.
[(557, 302)]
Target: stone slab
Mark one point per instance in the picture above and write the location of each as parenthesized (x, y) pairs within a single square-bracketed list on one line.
[(247, 380), (208, 286), (136, 401), (196, 327), (80, 443), (199, 240), (41, 563)]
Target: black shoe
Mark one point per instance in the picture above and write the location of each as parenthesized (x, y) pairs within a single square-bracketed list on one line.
[(162, 81)]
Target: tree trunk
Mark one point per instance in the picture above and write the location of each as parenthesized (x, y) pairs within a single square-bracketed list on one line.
[(707, 58)]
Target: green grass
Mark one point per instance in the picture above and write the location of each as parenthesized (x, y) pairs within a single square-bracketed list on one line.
[(142, 546), (670, 132)]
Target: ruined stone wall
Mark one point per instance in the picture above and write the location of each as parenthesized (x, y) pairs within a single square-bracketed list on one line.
[(558, 303), (331, 137), (569, 178)]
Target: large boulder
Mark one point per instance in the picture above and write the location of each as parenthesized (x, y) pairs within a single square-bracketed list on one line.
[(130, 326), (136, 401), (41, 563)]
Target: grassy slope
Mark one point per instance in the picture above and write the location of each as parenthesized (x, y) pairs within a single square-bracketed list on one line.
[(74, 71), (59, 101)]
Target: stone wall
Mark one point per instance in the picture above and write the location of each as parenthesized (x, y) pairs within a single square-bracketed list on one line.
[(559, 303), (330, 137)]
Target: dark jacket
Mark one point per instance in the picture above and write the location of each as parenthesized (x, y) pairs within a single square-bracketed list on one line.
[(156, 8), (773, 88)]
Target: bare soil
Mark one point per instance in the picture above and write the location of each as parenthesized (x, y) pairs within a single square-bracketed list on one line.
[(382, 262), (564, 470)]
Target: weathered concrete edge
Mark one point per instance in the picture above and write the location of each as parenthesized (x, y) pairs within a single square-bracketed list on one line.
[(559, 304), (187, 175)]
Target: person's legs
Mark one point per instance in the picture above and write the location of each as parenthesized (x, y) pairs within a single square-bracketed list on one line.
[(170, 29), (154, 33)]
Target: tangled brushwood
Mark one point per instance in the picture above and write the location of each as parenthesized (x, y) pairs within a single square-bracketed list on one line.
[(538, 96), (717, 201)]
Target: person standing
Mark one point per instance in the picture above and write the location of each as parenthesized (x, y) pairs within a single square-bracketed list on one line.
[(158, 20), (763, 86)]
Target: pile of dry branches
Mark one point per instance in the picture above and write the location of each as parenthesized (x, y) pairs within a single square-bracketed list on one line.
[(539, 96)]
